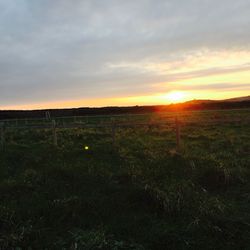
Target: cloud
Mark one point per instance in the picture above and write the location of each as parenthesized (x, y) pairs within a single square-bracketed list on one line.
[(65, 49)]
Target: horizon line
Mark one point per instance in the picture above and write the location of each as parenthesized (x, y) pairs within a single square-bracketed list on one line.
[(120, 106)]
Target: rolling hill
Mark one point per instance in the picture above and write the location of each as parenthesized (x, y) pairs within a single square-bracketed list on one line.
[(234, 103)]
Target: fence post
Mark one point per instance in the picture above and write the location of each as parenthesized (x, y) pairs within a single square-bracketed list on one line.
[(54, 133), (2, 135), (113, 133), (47, 115), (177, 131)]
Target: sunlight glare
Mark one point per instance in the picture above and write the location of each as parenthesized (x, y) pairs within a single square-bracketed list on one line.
[(175, 96)]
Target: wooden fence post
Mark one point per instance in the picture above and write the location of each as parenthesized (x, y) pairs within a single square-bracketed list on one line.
[(2, 135), (54, 133), (113, 133), (177, 131), (47, 115)]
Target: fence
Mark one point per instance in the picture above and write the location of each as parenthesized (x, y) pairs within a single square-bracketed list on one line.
[(111, 122), (54, 126)]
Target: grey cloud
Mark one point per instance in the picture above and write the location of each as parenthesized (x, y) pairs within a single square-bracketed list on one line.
[(59, 49)]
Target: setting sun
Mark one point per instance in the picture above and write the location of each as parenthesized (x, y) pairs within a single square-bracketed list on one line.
[(176, 96)]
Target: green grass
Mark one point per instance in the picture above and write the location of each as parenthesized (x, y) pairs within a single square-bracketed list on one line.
[(140, 194)]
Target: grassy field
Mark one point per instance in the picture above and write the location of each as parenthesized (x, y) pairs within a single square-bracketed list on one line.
[(139, 194)]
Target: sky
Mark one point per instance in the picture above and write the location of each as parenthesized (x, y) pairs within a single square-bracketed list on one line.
[(77, 53)]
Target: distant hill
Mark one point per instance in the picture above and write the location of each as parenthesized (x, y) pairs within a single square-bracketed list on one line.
[(233, 103), (238, 99), (198, 101)]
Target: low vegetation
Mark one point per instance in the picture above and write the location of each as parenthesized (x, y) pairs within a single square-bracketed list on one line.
[(140, 193)]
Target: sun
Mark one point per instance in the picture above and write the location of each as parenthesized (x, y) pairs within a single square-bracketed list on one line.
[(175, 96)]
